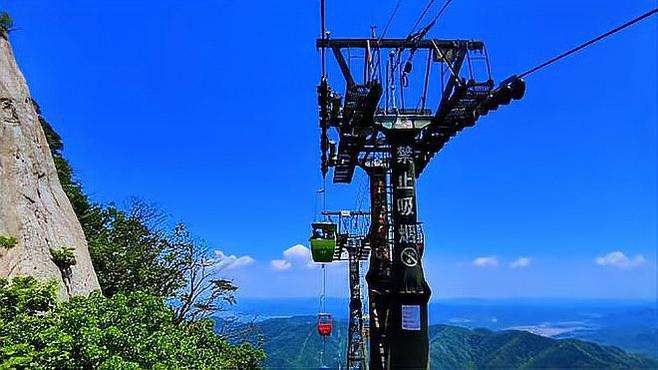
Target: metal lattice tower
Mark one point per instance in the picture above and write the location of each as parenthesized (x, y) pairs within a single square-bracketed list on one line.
[(353, 247)]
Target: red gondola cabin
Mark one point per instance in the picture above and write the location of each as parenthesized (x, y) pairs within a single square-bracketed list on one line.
[(325, 324)]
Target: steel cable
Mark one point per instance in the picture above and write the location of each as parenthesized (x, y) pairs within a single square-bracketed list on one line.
[(590, 42)]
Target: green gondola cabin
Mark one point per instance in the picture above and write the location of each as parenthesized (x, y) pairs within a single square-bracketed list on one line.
[(323, 241)]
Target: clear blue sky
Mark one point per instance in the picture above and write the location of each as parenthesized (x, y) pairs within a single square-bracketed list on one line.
[(207, 108)]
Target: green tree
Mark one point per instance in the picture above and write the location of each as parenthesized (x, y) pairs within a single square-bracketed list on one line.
[(6, 23), (133, 251), (127, 331)]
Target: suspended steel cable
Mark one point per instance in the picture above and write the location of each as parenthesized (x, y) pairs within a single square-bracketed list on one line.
[(324, 193), (324, 289), (377, 66), (588, 43), (443, 9), (315, 206), (322, 310), (323, 35), (422, 16), (416, 36), (390, 20), (429, 26)]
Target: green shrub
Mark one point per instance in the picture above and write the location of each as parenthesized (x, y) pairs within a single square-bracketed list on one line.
[(63, 257), (127, 331), (6, 23), (8, 241)]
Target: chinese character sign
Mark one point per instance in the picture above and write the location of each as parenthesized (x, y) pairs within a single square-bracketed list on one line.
[(404, 183)]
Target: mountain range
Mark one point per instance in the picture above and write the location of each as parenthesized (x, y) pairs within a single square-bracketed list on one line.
[(293, 342)]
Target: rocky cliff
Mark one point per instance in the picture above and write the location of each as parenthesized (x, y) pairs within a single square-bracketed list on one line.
[(34, 210)]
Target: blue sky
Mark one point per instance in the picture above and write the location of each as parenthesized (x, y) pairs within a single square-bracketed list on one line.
[(201, 108)]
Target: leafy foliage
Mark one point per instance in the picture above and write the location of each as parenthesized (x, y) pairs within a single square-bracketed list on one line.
[(25, 295), (8, 241), (63, 257), (132, 251), (6, 23), (127, 331)]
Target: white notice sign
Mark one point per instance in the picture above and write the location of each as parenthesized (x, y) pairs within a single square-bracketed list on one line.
[(410, 317)]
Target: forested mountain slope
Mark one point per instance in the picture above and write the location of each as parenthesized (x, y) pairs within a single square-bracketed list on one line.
[(294, 343)]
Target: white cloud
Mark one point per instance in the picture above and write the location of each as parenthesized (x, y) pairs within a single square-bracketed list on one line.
[(520, 262), (620, 260), (488, 261), (226, 262), (297, 251), (280, 265), (295, 256), (243, 261)]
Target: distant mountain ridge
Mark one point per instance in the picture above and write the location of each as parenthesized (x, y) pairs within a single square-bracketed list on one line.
[(294, 343), (631, 325), (456, 347)]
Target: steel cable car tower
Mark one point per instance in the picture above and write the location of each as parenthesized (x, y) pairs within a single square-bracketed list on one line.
[(377, 128), (393, 142), (353, 247)]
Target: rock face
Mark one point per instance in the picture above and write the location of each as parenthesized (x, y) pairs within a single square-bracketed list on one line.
[(33, 206)]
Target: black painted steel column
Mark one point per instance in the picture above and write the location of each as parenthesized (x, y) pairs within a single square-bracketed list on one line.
[(409, 342), (379, 273)]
